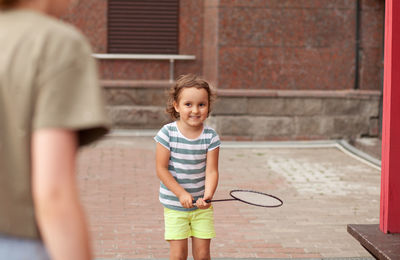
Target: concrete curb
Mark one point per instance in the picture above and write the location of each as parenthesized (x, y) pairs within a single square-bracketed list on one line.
[(342, 145), (360, 154), (339, 258)]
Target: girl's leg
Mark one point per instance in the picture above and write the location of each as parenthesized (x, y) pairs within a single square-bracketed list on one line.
[(201, 248), (178, 249)]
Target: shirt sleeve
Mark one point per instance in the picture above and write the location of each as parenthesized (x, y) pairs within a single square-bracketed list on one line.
[(215, 142), (162, 137), (69, 94)]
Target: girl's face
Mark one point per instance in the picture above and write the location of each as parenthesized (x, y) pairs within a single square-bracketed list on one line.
[(192, 106)]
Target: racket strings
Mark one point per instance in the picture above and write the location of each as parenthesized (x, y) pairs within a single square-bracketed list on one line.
[(256, 198)]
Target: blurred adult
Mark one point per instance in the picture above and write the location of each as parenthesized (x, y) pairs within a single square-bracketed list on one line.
[(50, 104)]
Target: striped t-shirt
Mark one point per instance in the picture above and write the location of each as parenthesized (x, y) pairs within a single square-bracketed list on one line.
[(187, 162)]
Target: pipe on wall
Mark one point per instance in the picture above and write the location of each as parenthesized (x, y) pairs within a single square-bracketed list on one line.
[(357, 56)]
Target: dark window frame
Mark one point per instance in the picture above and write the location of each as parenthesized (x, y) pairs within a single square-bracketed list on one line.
[(143, 26)]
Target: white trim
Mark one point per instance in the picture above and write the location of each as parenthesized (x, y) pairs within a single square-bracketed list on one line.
[(170, 57), (111, 56), (132, 133)]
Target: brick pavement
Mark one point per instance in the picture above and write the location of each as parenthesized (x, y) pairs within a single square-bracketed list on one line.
[(323, 190)]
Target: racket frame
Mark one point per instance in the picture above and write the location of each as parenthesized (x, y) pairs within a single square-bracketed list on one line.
[(257, 192), (253, 204)]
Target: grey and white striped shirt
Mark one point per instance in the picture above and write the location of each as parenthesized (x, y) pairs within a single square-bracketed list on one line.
[(187, 162)]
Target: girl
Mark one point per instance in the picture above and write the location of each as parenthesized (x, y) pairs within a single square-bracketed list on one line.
[(187, 165), (50, 103)]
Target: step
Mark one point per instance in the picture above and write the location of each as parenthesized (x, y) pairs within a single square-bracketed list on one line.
[(136, 93), (138, 117)]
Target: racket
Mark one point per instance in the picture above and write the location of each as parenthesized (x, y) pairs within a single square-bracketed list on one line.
[(254, 198)]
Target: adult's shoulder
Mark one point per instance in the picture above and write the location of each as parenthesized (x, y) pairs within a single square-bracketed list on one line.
[(41, 32), (43, 26), (56, 46), (62, 38)]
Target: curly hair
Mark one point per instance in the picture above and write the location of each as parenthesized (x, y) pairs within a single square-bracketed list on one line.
[(187, 81)]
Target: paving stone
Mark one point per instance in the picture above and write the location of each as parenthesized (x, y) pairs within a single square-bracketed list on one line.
[(323, 190)]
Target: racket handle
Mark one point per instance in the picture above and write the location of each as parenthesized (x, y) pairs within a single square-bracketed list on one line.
[(208, 201)]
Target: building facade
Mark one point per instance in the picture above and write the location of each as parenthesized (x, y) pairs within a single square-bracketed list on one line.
[(283, 69)]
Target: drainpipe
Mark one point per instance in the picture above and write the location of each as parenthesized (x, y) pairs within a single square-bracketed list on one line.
[(357, 58)]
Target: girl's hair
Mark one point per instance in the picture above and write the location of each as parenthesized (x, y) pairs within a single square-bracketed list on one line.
[(7, 3), (187, 81)]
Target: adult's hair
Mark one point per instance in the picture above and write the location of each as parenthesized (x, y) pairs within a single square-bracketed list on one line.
[(8, 3), (187, 81)]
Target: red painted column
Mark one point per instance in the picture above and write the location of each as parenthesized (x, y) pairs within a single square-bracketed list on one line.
[(390, 182)]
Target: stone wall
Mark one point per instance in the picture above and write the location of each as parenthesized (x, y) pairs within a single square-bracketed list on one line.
[(259, 44), (299, 45), (371, 44), (90, 16), (256, 114), (296, 115)]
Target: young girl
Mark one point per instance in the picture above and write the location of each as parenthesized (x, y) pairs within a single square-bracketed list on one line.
[(187, 165)]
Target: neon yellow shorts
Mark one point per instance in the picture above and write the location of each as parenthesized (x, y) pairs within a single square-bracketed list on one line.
[(198, 223)]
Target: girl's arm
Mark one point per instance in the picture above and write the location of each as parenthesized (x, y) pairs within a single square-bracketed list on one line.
[(211, 178), (162, 161), (58, 210)]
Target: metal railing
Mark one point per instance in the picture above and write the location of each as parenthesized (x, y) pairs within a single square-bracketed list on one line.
[(171, 58)]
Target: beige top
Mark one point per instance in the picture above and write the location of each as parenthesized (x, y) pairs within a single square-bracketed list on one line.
[(48, 79)]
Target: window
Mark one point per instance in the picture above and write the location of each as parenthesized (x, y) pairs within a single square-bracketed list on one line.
[(143, 26)]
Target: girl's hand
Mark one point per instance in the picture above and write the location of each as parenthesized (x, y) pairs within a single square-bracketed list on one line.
[(202, 204), (186, 200)]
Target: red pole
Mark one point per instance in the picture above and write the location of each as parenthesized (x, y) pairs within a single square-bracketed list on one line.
[(390, 181)]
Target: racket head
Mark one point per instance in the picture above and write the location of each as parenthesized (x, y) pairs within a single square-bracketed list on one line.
[(256, 198)]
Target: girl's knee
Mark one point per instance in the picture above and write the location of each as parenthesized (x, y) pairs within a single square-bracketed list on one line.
[(178, 256), (178, 250), (201, 249), (202, 255)]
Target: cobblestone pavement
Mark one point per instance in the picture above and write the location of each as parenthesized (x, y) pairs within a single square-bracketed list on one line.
[(323, 190)]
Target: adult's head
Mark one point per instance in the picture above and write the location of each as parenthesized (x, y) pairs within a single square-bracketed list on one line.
[(51, 7), (8, 3)]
